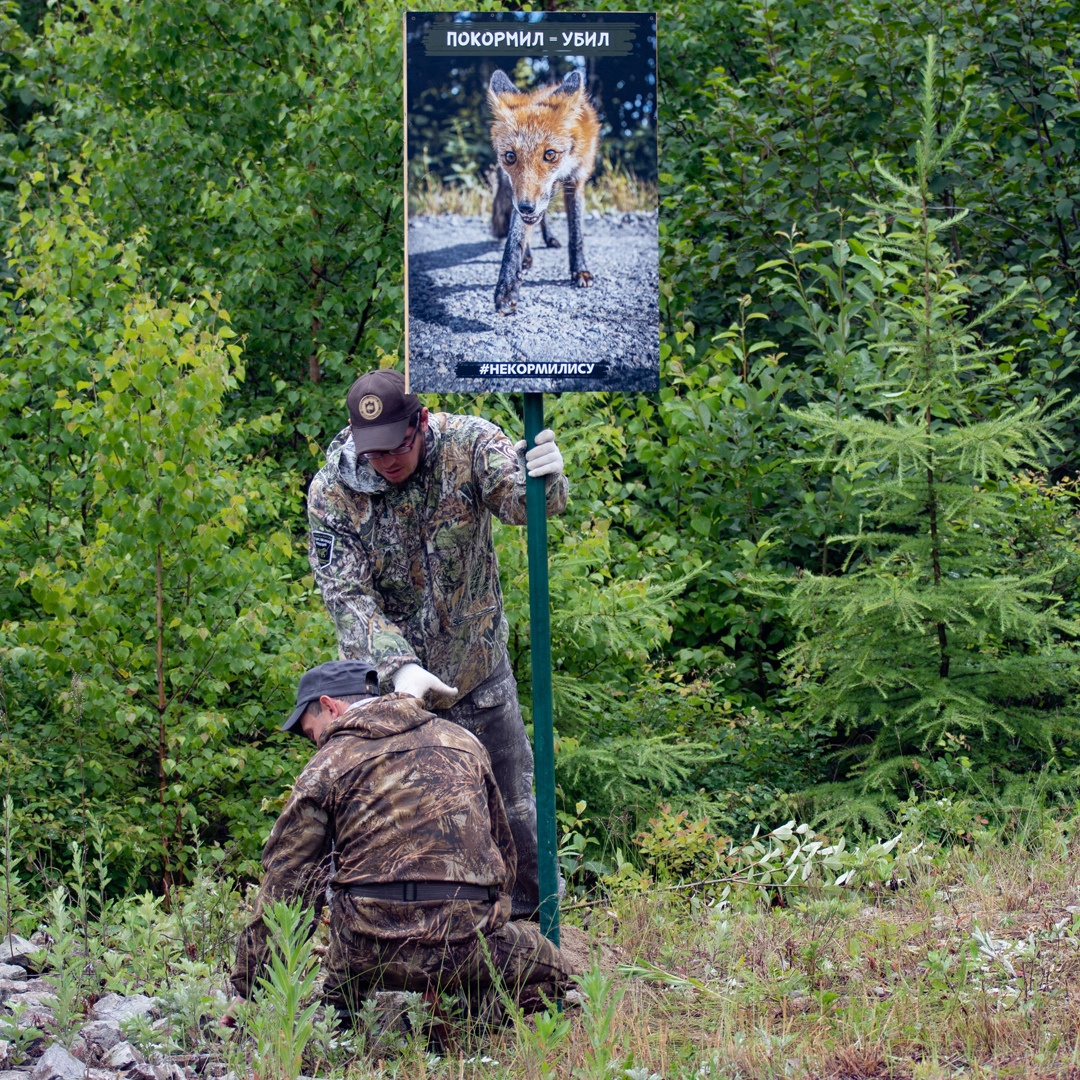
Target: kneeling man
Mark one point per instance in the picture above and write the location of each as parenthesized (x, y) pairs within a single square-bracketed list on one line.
[(399, 813)]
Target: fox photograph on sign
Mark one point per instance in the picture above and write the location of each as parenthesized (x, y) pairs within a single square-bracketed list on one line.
[(532, 256)]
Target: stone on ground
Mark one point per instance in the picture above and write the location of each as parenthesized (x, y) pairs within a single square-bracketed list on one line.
[(20, 952), (57, 1064), (96, 1039), (119, 1008), (122, 1056)]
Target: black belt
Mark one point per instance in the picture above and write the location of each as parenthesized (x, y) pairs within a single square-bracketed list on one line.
[(424, 890)]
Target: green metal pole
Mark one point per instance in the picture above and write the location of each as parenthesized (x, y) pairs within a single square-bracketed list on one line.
[(540, 638)]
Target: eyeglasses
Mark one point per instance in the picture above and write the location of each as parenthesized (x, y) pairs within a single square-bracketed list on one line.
[(404, 448)]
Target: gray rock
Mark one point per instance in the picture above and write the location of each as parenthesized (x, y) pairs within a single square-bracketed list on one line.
[(41, 999), (215, 1069), (36, 1016), (5, 1053), (101, 1034), (101, 1074), (115, 1007), (95, 1039), (12, 972), (57, 1064), (142, 1072), (20, 952), (122, 1056), (12, 1074)]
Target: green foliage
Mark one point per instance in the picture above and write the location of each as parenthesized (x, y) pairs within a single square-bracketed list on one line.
[(18, 915), (144, 190), (281, 1017), (772, 116), (285, 196), (600, 1000), (676, 848), (20, 1038), (147, 612), (538, 1041), (930, 641)]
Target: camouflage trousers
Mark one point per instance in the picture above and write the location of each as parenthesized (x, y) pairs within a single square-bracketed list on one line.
[(491, 712), (517, 955)]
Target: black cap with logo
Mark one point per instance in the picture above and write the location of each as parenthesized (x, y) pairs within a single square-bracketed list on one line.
[(380, 410), (336, 679)]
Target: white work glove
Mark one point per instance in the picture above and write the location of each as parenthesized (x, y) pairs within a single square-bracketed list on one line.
[(544, 458), (417, 681)]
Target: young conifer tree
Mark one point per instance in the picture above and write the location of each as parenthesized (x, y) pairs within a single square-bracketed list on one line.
[(928, 642)]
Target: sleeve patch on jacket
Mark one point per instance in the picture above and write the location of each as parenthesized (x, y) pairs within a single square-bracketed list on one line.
[(323, 543)]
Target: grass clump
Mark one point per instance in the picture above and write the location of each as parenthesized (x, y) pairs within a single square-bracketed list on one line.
[(612, 189), (812, 956)]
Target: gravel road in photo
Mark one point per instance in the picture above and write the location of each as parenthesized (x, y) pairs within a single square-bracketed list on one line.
[(453, 265)]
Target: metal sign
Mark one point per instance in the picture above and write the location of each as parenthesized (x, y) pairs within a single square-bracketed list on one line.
[(532, 257)]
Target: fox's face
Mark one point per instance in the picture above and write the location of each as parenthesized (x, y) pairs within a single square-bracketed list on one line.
[(538, 138)]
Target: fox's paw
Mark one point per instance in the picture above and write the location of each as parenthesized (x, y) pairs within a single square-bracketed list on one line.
[(526, 261), (552, 241), (581, 278), (505, 301)]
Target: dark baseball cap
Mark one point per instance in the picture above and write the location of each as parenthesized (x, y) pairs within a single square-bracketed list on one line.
[(380, 410), (336, 679)]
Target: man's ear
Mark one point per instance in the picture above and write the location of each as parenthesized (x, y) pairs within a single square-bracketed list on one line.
[(423, 418)]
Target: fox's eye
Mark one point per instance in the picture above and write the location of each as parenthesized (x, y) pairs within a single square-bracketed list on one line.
[(509, 157), (550, 155)]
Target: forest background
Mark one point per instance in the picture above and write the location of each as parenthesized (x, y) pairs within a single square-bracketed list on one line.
[(203, 210)]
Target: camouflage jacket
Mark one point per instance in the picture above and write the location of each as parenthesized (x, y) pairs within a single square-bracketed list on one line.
[(408, 573), (396, 794)]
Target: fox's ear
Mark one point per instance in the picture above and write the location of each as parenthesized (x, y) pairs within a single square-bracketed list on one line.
[(501, 84), (572, 83)]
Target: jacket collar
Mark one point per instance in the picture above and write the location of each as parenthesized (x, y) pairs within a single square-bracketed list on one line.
[(379, 718)]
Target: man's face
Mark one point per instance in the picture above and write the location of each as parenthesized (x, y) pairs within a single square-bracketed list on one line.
[(314, 721), (397, 468)]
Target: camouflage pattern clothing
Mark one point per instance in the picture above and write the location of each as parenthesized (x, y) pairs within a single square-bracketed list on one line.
[(517, 953), (398, 795), (491, 712), (408, 572)]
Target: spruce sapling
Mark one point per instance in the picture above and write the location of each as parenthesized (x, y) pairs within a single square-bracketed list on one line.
[(928, 641)]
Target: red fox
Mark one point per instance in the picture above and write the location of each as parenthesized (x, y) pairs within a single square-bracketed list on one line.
[(542, 138)]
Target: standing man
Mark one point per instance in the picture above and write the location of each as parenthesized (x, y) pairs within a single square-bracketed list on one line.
[(402, 552)]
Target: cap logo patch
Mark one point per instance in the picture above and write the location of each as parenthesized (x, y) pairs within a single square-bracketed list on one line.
[(370, 407)]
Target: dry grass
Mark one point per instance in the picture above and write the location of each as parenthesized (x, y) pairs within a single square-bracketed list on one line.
[(970, 969), (890, 984), (612, 189)]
